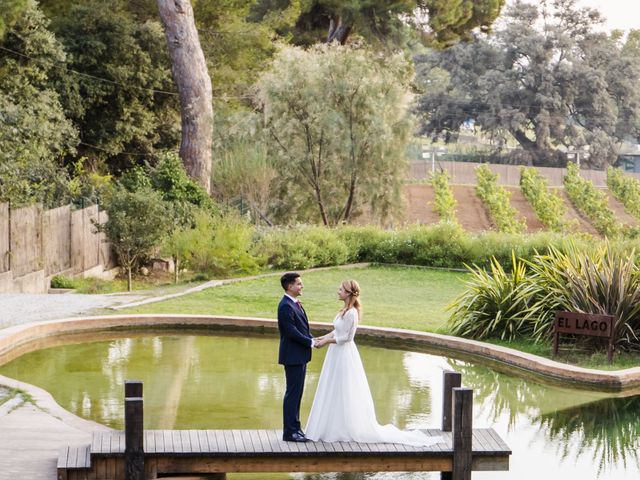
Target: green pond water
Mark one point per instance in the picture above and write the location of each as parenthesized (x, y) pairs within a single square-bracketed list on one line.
[(223, 381)]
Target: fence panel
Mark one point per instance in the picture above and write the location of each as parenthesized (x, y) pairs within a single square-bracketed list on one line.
[(57, 240), (26, 240), (5, 247), (91, 252), (107, 255)]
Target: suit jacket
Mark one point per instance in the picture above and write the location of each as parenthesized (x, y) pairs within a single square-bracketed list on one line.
[(295, 337)]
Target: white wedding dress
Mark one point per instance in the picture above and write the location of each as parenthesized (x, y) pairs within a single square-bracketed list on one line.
[(342, 409)]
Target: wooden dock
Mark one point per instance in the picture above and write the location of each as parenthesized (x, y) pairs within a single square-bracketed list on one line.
[(137, 454)]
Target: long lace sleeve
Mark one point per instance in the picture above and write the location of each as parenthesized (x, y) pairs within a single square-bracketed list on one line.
[(346, 330)]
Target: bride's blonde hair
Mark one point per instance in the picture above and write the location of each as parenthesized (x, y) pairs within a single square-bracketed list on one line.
[(353, 289)]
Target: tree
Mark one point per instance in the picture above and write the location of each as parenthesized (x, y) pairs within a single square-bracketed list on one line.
[(545, 78), (442, 22), (10, 11), (136, 224), (35, 134), (125, 101), (338, 117), (194, 86)]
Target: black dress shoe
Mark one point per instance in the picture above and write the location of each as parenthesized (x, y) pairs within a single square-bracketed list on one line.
[(295, 437)]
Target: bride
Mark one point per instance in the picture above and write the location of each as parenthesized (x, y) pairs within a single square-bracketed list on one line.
[(342, 409)]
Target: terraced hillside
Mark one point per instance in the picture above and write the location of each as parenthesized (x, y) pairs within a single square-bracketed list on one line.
[(473, 217)]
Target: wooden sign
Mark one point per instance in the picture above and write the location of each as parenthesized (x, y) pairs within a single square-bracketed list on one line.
[(584, 324)]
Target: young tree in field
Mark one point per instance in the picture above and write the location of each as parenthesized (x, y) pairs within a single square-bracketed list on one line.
[(545, 78), (194, 86), (338, 118), (137, 222)]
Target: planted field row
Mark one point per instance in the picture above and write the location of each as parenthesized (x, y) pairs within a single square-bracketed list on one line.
[(578, 207)]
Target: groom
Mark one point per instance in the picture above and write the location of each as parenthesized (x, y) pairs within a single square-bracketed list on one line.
[(295, 352)]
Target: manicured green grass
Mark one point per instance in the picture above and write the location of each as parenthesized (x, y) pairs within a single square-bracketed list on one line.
[(412, 298)]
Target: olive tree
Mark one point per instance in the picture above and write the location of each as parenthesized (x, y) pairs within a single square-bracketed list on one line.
[(338, 118)]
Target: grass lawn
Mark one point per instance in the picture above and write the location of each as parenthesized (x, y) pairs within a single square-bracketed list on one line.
[(413, 298)]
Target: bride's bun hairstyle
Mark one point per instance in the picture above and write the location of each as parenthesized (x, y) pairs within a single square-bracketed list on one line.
[(353, 289)]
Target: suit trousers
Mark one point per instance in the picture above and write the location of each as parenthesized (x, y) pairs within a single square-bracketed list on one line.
[(295, 375)]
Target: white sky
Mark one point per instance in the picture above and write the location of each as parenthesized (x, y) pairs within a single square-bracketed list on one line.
[(621, 14)]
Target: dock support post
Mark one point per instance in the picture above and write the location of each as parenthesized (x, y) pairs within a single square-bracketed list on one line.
[(450, 380), (462, 433), (133, 431)]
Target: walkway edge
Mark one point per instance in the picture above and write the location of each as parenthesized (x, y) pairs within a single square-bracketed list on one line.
[(20, 339)]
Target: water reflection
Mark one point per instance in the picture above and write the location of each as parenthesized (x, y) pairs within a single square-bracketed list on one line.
[(235, 382), (608, 430)]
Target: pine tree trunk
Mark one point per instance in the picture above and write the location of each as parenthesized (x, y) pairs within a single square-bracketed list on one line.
[(194, 87)]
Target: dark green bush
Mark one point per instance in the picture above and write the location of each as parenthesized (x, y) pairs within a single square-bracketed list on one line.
[(62, 281)]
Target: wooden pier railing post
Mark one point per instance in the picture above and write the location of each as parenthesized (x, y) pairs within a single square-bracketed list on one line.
[(133, 431), (462, 433), (450, 380)]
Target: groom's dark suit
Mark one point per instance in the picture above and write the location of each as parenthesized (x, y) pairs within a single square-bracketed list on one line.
[(294, 354)]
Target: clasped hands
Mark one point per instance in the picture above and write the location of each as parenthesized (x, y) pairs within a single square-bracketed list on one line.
[(319, 342)]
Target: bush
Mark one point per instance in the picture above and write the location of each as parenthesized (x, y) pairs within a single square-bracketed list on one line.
[(445, 203), (62, 281), (549, 207), (221, 245), (496, 200), (303, 247), (598, 280), (592, 202), (626, 189)]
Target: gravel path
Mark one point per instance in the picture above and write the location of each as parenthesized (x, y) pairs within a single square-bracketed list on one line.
[(19, 308)]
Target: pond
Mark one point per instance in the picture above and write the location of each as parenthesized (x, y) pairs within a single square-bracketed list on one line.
[(224, 381)]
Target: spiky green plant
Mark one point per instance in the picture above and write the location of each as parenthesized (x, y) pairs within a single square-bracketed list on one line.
[(600, 280), (495, 304)]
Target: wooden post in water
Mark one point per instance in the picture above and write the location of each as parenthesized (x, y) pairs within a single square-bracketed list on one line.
[(133, 431), (450, 380), (462, 433)]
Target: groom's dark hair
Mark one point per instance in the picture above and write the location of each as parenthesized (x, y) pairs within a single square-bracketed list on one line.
[(287, 279)]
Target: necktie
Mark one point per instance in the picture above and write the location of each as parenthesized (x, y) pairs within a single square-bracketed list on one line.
[(299, 305)]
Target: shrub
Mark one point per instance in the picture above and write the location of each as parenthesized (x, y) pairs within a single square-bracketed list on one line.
[(495, 304), (62, 281), (626, 189), (598, 280), (592, 202), (221, 245), (496, 200), (549, 207), (445, 203)]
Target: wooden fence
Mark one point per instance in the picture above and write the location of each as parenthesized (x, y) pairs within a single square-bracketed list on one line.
[(464, 173), (36, 244)]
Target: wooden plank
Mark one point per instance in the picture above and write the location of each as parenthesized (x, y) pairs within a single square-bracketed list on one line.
[(149, 442), (264, 440), (195, 441), (203, 441), (158, 436), (186, 441), (237, 438), (63, 454), (96, 443), (73, 457), (221, 441), (168, 441), (228, 438), (247, 440), (177, 441), (211, 440), (274, 440), (503, 447), (106, 443)]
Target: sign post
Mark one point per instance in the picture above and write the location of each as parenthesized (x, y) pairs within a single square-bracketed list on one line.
[(584, 324)]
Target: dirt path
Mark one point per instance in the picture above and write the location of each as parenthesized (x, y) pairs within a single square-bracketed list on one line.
[(525, 210), (619, 211), (471, 213), (419, 201), (573, 214)]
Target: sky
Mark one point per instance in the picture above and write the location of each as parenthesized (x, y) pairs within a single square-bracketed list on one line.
[(621, 14)]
